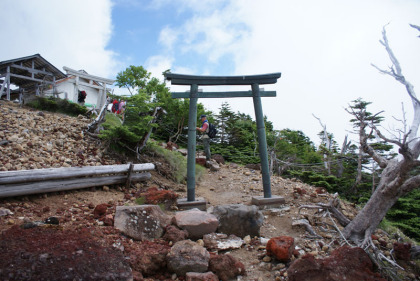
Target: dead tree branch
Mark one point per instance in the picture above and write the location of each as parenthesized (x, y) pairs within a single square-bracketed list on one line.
[(330, 206), (308, 227)]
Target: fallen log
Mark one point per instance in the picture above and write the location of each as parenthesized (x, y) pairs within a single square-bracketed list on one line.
[(20, 189), (24, 176)]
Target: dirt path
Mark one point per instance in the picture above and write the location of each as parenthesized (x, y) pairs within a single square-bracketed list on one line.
[(233, 184)]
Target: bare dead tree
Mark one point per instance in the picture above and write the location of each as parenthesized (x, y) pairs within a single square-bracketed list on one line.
[(326, 142), (396, 179), (178, 132), (344, 148)]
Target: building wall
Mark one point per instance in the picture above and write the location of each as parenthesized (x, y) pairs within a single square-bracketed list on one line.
[(67, 89)]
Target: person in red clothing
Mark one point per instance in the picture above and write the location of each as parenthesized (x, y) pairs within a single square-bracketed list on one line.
[(204, 129), (115, 106)]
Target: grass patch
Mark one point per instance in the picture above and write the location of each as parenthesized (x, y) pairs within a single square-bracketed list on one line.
[(140, 200), (392, 230), (111, 120), (57, 105), (176, 161)]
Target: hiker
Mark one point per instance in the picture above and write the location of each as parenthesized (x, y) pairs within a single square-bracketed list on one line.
[(121, 107), (204, 129), (115, 106), (81, 98)]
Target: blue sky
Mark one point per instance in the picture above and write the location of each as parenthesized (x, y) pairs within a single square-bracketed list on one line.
[(324, 49)]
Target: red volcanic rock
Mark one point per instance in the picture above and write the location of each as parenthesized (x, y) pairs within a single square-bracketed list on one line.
[(200, 161), (300, 191), (344, 264), (281, 247), (100, 210), (174, 234), (320, 190), (148, 258), (402, 251), (108, 220), (226, 267)]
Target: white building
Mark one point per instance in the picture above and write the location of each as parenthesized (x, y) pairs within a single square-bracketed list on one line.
[(94, 86)]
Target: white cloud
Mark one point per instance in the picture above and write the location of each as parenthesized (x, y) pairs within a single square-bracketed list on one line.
[(66, 33), (157, 64), (323, 49), (168, 37)]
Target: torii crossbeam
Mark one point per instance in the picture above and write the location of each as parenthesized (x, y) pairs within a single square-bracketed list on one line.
[(254, 81)]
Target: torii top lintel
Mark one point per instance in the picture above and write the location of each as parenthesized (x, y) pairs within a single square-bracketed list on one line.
[(183, 79)]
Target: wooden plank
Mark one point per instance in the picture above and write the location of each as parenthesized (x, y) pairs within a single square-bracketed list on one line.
[(183, 79), (31, 79), (11, 177), (231, 94), (88, 76), (69, 184), (32, 70)]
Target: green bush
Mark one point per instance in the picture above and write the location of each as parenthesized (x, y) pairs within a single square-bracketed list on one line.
[(176, 161), (239, 155), (57, 105), (405, 214), (322, 184)]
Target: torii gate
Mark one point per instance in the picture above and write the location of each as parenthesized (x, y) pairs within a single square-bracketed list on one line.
[(254, 81)]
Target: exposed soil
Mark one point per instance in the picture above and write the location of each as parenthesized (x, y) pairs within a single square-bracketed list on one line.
[(82, 239)]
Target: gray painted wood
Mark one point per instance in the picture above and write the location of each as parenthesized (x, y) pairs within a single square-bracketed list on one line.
[(69, 184), (230, 94), (183, 79), (13, 177)]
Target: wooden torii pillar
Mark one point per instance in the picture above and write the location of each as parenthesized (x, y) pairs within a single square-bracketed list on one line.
[(254, 81)]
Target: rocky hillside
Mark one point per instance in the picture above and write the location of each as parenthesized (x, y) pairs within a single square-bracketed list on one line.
[(72, 234)]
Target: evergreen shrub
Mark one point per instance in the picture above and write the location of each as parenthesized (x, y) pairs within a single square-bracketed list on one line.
[(176, 161), (57, 105)]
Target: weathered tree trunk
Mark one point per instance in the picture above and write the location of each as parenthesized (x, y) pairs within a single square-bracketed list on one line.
[(343, 152), (397, 178), (384, 197), (415, 124), (327, 142), (94, 126)]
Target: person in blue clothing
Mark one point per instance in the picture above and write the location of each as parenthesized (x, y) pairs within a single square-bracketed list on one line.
[(204, 129)]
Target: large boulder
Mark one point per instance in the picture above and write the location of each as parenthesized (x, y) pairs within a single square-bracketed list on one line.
[(196, 222), (344, 264), (144, 222), (187, 256), (281, 247), (238, 219)]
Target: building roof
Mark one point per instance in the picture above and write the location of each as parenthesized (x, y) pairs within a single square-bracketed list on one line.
[(30, 70)]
